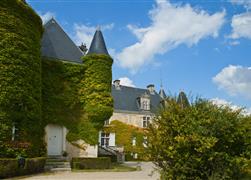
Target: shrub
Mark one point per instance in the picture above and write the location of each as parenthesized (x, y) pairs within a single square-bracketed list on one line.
[(9, 167), (201, 141), (91, 163)]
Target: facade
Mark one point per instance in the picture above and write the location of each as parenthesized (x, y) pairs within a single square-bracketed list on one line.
[(133, 106)]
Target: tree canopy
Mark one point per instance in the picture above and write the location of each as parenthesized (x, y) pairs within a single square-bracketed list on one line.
[(200, 141)]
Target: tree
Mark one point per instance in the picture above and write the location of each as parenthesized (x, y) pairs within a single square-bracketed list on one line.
[(200, 141)]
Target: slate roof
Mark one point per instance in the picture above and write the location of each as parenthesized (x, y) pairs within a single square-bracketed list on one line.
[(57, 44), (162, 93), (125, 99), (98, 44)]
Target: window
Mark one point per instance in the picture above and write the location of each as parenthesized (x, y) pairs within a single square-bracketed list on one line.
[(134, 141), (107, 122), (146, 121), (145, 105), (145, 142), (105, 137)]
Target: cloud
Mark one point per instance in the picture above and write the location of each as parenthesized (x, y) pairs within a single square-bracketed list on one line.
[(245, 3), (241, 26), (84, 33), (171, 25), (125, 81), (223, 102), (235, 80), (234, 43), (46, 16)]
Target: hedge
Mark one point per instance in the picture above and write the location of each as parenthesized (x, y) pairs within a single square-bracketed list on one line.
[(20, 77), (9, 167), (91, 163)]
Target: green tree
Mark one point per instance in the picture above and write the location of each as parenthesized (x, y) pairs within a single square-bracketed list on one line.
[(200, 141)]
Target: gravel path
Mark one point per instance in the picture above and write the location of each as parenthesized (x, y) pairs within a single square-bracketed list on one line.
[(144, 174)]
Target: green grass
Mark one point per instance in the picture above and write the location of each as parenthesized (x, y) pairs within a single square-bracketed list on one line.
[(115, 168)]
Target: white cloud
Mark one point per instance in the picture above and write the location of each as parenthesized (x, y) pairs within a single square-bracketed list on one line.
[(125, 81), (223, 102), (245, 3), (84, 33), (241, 26), (46, 16), (171, 26), (234, 43), (235, 80)]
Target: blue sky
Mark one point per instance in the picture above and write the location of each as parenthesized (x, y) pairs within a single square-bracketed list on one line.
[(202, 47)]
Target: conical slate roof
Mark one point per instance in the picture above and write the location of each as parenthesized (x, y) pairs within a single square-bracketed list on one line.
[(182, 99), (98, 44), (57, 44), (162, 93)]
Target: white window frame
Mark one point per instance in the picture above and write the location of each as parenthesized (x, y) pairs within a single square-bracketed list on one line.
[(146, 120), (134, 141), (104, 139)]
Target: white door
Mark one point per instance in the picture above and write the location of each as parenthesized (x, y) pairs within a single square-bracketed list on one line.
[(54, 139)]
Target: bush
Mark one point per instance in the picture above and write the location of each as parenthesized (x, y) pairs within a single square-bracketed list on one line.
[(201, 141), (9, 167), (113, 158), (91, 163)]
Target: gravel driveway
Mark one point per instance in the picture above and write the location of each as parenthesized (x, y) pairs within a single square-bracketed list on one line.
[(144, 174)]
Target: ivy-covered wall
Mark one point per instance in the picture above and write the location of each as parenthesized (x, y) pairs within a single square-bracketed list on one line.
[(62, 90), (96, 95), (20, 78), (77, 96), (124, 134)]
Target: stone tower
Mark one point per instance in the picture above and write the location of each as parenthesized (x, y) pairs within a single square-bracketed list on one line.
[(20, 76), (98, 79)]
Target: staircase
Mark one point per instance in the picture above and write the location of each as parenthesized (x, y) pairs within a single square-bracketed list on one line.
[(108, 151), (57, 163)]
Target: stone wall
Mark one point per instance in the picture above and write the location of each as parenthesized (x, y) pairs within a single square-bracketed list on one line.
[(134, 119)]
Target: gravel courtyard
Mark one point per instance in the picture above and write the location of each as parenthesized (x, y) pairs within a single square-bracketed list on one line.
[(144, 174)]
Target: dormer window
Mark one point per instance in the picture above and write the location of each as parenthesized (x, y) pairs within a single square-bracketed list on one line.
[(145, 105), (144, 102)]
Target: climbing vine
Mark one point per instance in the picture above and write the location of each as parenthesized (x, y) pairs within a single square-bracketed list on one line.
[(77, 96), (96, 96), (20, 77), (125, 133), (61, 92)]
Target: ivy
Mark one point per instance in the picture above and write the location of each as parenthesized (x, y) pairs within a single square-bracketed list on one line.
[(61, 92), (96, 96), (34, 93), (124, 135), (20, 76), (76, 96)]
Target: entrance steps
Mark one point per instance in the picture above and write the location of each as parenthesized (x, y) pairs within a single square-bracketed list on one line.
[(57, 163)]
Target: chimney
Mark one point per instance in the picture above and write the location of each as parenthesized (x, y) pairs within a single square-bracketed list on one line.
[(117, 84), (151, 89)]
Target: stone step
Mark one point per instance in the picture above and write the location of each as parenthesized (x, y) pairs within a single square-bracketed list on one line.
[(60, 169), (57, 163), (57, 166), (56, 160)]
